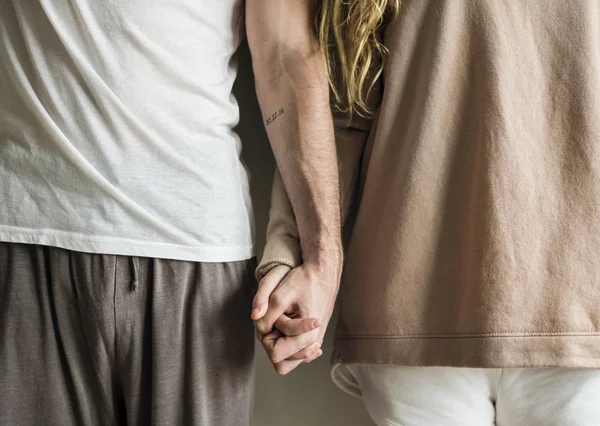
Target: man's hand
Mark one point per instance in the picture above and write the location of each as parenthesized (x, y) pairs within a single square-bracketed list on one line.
[(291, 313)]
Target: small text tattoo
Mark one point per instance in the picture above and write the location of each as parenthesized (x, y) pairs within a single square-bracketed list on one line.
[(274, 116)]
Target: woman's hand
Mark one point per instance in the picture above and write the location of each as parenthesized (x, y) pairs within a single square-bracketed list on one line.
[(291, 311)]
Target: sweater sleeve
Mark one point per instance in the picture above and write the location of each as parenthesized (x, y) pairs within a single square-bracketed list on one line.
[(283, 244)]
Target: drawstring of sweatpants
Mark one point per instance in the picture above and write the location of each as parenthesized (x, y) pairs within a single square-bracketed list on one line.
[(135, 264)]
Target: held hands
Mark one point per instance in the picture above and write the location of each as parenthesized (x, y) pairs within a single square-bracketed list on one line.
[(291, 311)]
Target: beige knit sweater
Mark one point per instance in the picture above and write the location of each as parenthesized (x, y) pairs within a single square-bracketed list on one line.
[(477, 235)]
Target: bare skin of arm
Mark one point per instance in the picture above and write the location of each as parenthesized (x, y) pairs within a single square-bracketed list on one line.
[(292, 88)]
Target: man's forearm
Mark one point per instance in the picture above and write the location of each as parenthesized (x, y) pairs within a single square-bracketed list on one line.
[(294, 98)]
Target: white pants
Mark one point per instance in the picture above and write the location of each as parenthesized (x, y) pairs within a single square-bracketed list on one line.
[(439, 396)]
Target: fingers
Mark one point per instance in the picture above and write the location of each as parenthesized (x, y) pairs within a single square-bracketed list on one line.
[(314, 357), (309, 352), (279, 347), (266, 286), (294, 327), (286, 367), (305, 355), (278, 304), (271, 338)]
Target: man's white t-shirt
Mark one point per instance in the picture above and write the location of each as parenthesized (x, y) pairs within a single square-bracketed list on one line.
[(116, 128)]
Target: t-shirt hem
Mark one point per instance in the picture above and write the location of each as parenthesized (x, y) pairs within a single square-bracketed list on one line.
[(344, 379), (127, 247)]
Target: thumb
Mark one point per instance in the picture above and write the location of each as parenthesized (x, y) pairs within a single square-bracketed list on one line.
[(267, 286)]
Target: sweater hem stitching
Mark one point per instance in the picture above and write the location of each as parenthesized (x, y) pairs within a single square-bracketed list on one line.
[(472, 335)]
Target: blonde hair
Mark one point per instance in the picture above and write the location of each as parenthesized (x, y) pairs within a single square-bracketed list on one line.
[(350, 37)]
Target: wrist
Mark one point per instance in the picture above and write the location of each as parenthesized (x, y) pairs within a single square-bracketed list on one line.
[(325, 257)]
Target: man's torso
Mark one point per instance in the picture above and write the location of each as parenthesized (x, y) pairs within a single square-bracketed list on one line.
[(116, 123)]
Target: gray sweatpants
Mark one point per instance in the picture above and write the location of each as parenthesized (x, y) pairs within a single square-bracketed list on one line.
[(90, 339)]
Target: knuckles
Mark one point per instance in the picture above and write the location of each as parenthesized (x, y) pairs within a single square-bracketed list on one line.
[(284, 329), (281, 370), (273, 355), (261, 327), (276, 301)]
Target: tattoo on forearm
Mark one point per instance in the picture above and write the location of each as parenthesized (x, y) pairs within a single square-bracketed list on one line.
[(274, 116)]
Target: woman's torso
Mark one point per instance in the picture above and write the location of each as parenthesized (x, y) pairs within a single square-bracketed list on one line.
[(477, 237)]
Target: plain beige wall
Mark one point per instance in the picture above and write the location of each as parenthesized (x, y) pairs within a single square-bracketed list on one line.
[(307, 397)]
